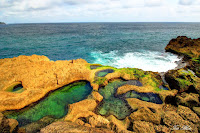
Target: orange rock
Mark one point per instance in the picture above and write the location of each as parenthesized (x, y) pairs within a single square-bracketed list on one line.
[(81, 109), (38, 76)]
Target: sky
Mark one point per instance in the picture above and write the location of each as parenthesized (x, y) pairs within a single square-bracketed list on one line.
[(50, 11)]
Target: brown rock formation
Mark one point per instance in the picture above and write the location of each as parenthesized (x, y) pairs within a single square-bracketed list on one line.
[(68, 127), (38, 76), (80, 109), (189, 48), (176, 122), (143, 127), (187, 114), (7, 125)]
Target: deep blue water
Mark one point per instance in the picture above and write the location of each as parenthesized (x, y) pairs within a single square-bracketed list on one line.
[(138, 45)]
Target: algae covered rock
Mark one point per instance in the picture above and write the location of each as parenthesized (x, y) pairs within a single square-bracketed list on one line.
[(183, 80)]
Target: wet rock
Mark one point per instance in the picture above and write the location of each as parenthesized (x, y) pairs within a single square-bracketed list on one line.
[(189, 48), (187, 114), (68, 127), (143, 127)]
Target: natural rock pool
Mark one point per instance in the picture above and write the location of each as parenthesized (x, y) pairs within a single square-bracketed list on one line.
[(54, 105), (116, 105), (104, 72), (15, 88)]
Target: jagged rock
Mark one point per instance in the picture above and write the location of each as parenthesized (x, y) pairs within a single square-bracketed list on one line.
[(187, 114), (161, 129), (196, 110), (81, 109), (36, 126), (172, 119), (98, 121), (188, 100), (79, 122), (189, 48), (145, 114), (7, 125), (68, 127), (117, 125), (183, 80), (143, 127), (96, 96), (146, 111)]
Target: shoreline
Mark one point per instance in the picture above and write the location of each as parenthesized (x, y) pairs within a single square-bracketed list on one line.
[(178, 89)]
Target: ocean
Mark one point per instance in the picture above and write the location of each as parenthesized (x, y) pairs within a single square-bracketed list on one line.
[(138, 45)]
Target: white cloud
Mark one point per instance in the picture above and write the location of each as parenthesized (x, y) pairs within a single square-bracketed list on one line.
[(153, 2), (186, 2), (12, 11)]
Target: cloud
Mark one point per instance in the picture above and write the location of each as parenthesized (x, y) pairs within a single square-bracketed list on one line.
[(12, 11), (186, 2), (153, 2)]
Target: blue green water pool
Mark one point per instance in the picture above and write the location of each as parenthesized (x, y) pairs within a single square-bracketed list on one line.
[(54, 105)]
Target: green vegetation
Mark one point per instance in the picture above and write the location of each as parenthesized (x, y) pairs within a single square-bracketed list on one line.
[(197, 60), (100, 80), (133, 72), (184, 82), (55, 105)]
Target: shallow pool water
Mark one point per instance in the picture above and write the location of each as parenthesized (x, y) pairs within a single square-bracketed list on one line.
[(16, 88), (116, 105), (148, 97), (54, 105), (104, 72)]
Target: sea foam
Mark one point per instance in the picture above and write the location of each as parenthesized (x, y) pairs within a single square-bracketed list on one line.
[(146, 60)]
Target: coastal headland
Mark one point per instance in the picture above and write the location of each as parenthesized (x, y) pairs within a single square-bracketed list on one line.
[(40, 95)]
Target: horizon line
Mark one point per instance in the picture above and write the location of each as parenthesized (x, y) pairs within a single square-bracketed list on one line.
[(101, 22)]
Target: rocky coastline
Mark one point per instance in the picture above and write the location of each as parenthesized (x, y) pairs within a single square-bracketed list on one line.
[(2, 23), (121, 100)]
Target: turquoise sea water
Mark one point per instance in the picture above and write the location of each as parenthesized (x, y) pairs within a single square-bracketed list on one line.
[(139, 45)]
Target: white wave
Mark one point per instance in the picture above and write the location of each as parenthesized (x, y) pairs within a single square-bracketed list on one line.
[(146, 60)]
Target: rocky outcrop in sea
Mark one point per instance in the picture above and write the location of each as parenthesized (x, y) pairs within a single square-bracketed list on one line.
[(40, 95)]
